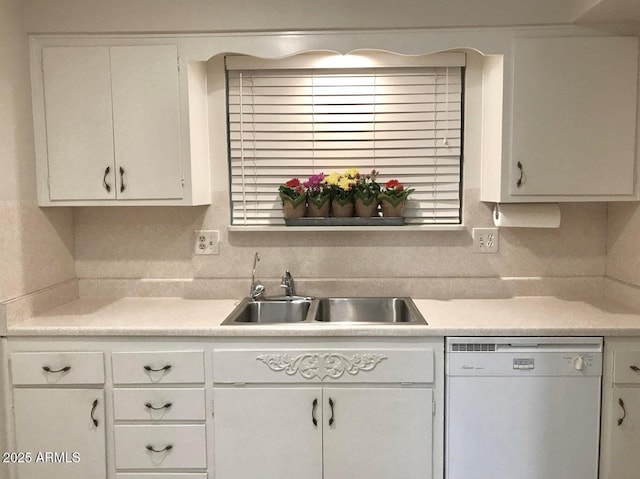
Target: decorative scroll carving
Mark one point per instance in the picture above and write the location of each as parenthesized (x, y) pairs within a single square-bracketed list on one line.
[(321, 366)]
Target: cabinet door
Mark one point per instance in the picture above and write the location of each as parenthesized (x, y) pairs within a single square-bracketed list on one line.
[(57, 427), (624, 439), (378, 433), (267, 433), (146, 113), (79, 129), (574, 116)]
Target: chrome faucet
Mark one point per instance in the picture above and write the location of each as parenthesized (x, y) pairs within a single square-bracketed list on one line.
[(288, 284), (257, 289)]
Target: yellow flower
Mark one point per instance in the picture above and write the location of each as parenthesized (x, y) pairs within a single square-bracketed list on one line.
[(351, 172), (332, 179), (346, 183)]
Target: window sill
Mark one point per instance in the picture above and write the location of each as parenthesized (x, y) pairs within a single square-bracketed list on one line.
[(343, 229)]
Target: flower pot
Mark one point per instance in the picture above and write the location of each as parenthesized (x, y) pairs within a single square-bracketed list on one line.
[(341, 209), (319, 206), (390, 210), (366, 207), (294, 208)]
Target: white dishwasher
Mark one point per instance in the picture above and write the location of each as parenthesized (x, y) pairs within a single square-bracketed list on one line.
[(522, 408)]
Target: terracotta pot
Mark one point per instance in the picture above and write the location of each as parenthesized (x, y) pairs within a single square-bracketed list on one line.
[(390, 211), (366, 210), (341, 210), (291, 211), (319, 207)]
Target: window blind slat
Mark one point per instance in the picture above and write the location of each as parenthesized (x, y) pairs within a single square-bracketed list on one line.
[(294, 123)]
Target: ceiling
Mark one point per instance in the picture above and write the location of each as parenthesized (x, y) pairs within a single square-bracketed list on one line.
[(624, 15)]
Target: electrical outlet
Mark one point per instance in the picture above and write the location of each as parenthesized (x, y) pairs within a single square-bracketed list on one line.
[(207, 242), (485, 240)]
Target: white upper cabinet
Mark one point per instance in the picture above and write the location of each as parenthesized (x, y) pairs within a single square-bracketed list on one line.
[(79, 124), (569, 121), (119, 124)]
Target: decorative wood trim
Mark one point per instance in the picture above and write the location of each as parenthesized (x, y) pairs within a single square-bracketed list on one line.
[(321, 366)]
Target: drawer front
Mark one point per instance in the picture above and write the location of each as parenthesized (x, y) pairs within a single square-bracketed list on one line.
[(626, 367), (175, 475), (175, 447), (157, 367), (159, 404), (396, 365), (56, 368)]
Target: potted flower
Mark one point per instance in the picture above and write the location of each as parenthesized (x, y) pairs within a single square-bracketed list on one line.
[(318, 196), (366, 195), (393, 197), (294, 197), (342, 186)]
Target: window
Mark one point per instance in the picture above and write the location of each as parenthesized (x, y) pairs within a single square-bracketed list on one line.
[(304, 115)]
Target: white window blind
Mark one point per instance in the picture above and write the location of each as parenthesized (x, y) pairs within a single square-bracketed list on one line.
[(405, 122)]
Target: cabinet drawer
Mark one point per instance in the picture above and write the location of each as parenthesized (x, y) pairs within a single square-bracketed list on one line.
[(159, 404), (158, 367), (626, 367), (176, 447), (57, 368), (175, 475), (393, 365)]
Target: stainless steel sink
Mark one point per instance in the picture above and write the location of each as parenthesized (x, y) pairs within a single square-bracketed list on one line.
[(368, 310), (268, 312), (320, 311)]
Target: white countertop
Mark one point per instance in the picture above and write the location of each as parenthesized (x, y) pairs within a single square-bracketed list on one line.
[(524, 316)]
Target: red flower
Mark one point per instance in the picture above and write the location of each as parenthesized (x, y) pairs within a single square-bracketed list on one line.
[(293, 183), (392, 184)]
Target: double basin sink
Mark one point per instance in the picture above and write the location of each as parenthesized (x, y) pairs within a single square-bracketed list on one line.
[(320, 311)]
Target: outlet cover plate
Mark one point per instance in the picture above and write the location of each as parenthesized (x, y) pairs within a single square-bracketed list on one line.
[(206, 242), (485, 240)]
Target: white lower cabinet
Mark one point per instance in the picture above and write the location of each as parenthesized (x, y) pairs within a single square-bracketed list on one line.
[(621, 410), (59, 420), (267, 432), (159, 410), (176, 446), (63, 430), (329, 411), (226, 408)]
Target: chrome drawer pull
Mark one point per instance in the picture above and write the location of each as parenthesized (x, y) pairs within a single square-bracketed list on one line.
[(314, 406), (150, 369), (331, 405), (150, 406), (93, 410), (624, 412), (63, 370), (166, 448), (122, 180), (106, 185)]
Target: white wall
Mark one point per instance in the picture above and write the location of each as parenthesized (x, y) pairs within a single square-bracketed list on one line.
[(36, 246), (46, 16)]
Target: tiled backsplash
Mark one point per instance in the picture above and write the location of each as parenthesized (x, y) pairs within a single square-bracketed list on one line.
[(148, 251)]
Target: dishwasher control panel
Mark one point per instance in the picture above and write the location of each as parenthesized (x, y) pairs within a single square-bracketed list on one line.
[(527, 363), (540, 356)]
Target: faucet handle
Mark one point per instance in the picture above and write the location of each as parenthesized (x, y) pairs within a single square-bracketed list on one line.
[(287, 283)]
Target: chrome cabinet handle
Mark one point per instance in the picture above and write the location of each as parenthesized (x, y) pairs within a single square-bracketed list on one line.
[(150, 406), (121, 179), (106, 185), (521, 181), (62, 370), (93, 410), (332, 418), (314, 406), (164, 368), (624, 411), (166, 448)]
